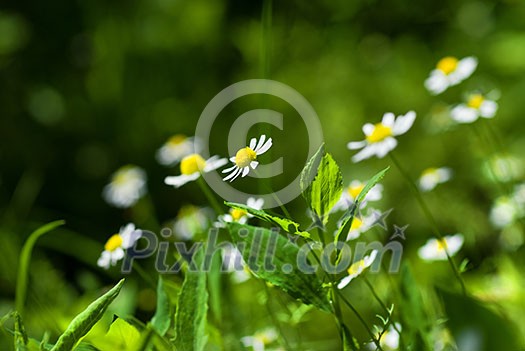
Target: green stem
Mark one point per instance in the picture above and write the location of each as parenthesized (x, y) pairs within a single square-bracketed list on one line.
[(430, 218), (209, 195)]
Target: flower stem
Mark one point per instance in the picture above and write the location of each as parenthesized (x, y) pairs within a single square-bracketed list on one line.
[(430, 218), (209, 195)]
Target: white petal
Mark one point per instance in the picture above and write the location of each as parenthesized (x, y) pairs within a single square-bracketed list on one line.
[(131, 239), (178, 181), (367, 152), (488, 109), (104, 260), (466, 67), (265, 147), (233, 174), (354, 145), (228, 170), (368, 129), (344, 282), (388, 119), (454, 243), (253, 143), (213, 163), (260, 143), (245, 171), (116, 255), (404, 123), (232, 159), (437, 82), (464, 114), (385, 146), (444, 174), (254, 164)]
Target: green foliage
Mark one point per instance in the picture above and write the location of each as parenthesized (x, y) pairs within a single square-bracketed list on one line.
[(321, 184), (83, 322), (121, 336), (258, 245), (190, 318), (286, 224), (20, 333), (161, 321)]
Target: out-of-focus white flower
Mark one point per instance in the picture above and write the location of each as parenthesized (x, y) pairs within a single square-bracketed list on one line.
[(450, 71), (233, 262), (504, 168), (434, 249), (505, 211), (241, 216), (519, 194), (191, 168), (389, 341), (116, 244), (192, 220), (380, 137), (176, 148), (127, 186), (247, 157), (476, 106), (357, 268), (351, 192), (260, 339), (431, 177)]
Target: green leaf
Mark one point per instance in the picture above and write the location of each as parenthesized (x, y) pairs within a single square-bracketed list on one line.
[(23, 263), (326, 187), (83, 322), (162, 319), (286, 224), (261, 248), (190, 319), (349, 217), (120, 336), (20, 334)]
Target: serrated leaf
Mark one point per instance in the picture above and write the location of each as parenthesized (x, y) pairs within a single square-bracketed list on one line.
[(190, 318), (286, 224), (161, 320), (261, 248), (349, 216), (82, 323), (326, 187)]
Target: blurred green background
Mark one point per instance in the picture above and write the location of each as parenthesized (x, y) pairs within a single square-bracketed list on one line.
[(89, 86)]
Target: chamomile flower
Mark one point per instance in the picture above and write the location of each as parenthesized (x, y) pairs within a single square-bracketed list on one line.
[(380, 136), (241, 216), (476, 106), (191, 168), (117, 243), (260, 339), (360, 224), (233, 262), (389, 339), (357, 268), (431, 177), (450, 71), (434, 249), (246, 158), (176, 148), (192, 220), (127, 186), (505, 211), (351, 192)]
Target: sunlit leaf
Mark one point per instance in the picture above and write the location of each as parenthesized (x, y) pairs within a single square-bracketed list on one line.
[(120, 336), (161, 321)]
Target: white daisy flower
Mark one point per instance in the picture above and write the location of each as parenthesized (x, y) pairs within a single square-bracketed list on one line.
[(380, 137), (191, 168), (351, 192), (431, 177), (233, 262), (176, 148), (389, 341), (260, 339), (505, 211), (476, 106), (127, 186), (357, 268), (450, 71), (247, 157), (434, 249), (192, 220), (117, 243), (241, 216), (358, 227)]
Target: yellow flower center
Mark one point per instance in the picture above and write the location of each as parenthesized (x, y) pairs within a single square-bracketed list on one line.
[(264, 338), (177, 139), (192, 164), (113, 243), (379, 133), (237, 214), (475, 101), (244, 156), (356, 267), (121, 178), (448, 64), (356, 224), (354, 191), (442, 244), (429, 171)]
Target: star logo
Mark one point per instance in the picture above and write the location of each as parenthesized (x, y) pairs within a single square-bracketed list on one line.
[(399, 232), (378, 218)]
